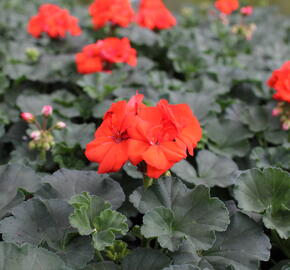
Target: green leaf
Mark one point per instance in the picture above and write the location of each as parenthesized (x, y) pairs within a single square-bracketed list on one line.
[(36, 221), (102, 266), (182, 267), (242, 246), (266, 192), (86, 209), (145, 259), (65, 184), (272, 156), (229, 137), (185, 171), (117, 251), (13, 177), (184, 213), (93, 216), (108, 224), (27, 257), (214, 170)]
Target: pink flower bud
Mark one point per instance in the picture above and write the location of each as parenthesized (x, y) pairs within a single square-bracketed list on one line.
[(27, 117), (47, 110), (286, 125), (247, 11), (276, 111), (60, 125), (35, 135)]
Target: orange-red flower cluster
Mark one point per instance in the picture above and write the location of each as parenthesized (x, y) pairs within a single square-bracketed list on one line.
[(153, 14), (156, 136), (117, 12), (280, 81), (99, 56), (54, 21), (227, 6)]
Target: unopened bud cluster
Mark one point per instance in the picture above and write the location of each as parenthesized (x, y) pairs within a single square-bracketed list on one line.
[(283, 110), (42, 138)]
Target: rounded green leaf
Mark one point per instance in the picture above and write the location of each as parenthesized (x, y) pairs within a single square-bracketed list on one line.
[(65, 184), (27, 257), (12, 178), (182, 267), (145, 259), (266, 192)]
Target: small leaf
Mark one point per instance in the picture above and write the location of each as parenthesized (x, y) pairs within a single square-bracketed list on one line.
[(266, 192), (27, 257), (117, 251), (65, 184), (145, 259), (86, 209)]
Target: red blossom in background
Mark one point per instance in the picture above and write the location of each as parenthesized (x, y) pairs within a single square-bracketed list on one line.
[(153, 14), (99, 56), (156, 136), (227, 6), (280, 81), (54, 21), (117, 12)]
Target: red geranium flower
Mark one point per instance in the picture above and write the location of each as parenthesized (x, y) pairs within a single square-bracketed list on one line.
[(153, 14), (54, 21), (117, 12), (96, 57), (280, 81), (227, 6), (155, 136)]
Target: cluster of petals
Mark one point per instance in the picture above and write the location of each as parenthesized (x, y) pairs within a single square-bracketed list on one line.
[(99, 56), (153, 14), (280, 81), (118, 12), (227, 6), (156, 136), (54, 21)]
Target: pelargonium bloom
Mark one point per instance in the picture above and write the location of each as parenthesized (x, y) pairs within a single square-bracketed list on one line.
[(280, 81), (99, 56), (117, 12), (227, 6), (156, 136), (153, 14), (54, 21)]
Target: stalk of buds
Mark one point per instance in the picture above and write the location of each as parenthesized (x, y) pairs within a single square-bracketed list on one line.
[(283, 110), (42, 138)]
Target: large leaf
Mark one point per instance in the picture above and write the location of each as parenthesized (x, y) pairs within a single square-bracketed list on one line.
[(102, 266), (229, 137), (27, 257), (145, 259), (182, 267), (242, 246), (213, 170), (13, 177), (65, 184), (267, 192), (176, 213), (93, 216), (37, 221)]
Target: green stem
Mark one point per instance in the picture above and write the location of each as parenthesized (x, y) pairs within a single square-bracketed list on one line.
[(100, 256), (42, 155), (147, 182)]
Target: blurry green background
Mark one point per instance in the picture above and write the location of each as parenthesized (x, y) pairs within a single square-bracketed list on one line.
[(283, 5)]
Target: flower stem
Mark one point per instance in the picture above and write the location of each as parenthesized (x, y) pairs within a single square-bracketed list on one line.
[(147, 182), (42, 155), (100, 256)]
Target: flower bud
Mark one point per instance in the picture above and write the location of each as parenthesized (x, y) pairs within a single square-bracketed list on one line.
[(286, 125), (35, 135), (247, 11), (27, 117), (32, 54), (276, 111), (47, 110), (60, 125)]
